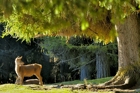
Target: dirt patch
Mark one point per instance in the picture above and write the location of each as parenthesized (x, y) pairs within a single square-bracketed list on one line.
[(38, 87), (71, 87)]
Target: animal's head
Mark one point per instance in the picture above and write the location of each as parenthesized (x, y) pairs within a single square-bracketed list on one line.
[(18, 61)]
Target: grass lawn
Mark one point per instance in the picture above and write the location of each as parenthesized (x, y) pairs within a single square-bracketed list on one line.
[(12, 88), (94, 81)]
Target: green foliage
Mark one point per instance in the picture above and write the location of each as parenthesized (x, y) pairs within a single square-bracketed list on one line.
[(27, 19), (76, 48), (52, 44), (113, 52)]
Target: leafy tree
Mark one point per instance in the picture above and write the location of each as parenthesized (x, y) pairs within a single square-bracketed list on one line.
[(27, 19)]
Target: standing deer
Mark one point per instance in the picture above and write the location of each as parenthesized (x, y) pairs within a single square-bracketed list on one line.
[(27, 70)]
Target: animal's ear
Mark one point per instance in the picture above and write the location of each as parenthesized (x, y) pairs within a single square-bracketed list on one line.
[(20, 57)]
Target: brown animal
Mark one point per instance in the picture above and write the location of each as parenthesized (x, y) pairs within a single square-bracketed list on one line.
[(27, 70)]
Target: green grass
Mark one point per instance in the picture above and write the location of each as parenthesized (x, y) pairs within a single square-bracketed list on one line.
[(13, 88), (94, 81)]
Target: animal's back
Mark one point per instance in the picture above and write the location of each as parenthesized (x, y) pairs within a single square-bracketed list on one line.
[(30, 69)]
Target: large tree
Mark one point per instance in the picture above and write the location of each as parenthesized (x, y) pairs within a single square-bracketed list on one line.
[(29, 19)]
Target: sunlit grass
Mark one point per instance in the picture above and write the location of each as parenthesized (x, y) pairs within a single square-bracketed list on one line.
[(13, 88), (94, 81)]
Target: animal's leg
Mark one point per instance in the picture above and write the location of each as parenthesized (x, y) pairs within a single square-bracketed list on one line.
[(39, 78), (21, 80), (17, 80)]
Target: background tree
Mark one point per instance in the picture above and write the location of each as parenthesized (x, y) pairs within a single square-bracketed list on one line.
[(95, 19), (102, 63), (81, 55)]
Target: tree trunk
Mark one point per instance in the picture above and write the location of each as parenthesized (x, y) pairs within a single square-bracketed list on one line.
[(102, 64), (84, 72), (128, 52), (128, 74), (129, 42)]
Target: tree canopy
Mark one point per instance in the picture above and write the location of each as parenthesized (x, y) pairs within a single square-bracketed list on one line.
[(29, 19)]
